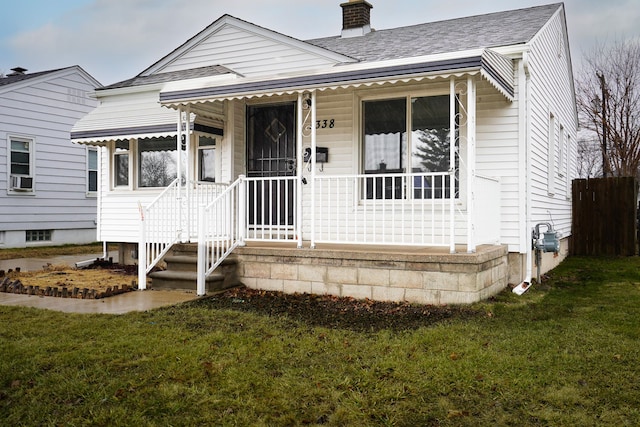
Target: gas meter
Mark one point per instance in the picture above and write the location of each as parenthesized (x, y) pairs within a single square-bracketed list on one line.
[(549, 241)]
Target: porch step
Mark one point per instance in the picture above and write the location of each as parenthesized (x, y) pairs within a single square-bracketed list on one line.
[(182, 267)]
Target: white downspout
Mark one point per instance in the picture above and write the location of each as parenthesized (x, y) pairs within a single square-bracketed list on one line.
[(525, 169)]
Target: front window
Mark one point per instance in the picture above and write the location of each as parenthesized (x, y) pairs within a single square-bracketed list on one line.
[(92, 170), (121, 164), (390, 149), (207, 159), (158, 160)]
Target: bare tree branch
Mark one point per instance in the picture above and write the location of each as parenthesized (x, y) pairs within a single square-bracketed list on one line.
[(608, 92)]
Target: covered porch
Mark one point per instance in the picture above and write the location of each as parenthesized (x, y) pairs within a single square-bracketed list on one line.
[(301, 202)]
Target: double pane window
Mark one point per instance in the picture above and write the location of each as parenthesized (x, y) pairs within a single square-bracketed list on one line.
[(92, 170), (21, 156), (407, 136)]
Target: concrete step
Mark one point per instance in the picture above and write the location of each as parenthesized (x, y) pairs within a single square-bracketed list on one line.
[(167, 279), (181, 271), (190, 263)]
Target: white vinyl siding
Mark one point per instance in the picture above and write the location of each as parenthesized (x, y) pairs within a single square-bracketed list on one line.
[(550, 91), (247, 53), (497, 155)]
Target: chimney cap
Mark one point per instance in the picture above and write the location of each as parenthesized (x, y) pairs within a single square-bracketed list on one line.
[(17, 71)]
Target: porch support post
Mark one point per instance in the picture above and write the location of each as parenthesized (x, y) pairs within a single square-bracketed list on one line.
[(452, 165), (471, 164), (186, 231), (142, 253), (242, 211), (202, 254), (313, 168), (179, 169), (299, 170)]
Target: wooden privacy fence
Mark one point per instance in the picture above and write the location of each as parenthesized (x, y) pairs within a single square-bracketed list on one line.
[(604, 216)]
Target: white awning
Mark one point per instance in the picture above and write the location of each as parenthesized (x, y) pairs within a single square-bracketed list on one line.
[(495, 68), (137, 115)]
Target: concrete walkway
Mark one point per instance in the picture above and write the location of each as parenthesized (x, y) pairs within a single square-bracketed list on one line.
[(118, 304), (35, 264)]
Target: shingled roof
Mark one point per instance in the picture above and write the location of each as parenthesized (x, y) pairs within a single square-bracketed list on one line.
[(14, 78), (482, 31)]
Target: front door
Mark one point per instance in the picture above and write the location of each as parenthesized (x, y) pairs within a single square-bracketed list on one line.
[(271, 158)]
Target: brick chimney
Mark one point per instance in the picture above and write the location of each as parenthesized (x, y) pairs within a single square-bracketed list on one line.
[(356, 18)]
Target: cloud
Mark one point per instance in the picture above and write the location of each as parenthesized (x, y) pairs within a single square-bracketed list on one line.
[(116, 39)]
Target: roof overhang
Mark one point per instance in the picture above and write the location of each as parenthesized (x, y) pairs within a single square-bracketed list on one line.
[(495, 68)]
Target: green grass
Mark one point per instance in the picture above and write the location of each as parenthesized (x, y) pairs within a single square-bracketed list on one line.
[(565, 353)]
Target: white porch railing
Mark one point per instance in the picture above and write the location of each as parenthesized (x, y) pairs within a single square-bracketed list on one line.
[(271, 208), (221, 230), (201, 194), (397, 209), (166, 218), (392, 209), (159, 230)]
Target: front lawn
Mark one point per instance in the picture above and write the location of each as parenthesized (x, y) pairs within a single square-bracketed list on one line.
[(564, 353)]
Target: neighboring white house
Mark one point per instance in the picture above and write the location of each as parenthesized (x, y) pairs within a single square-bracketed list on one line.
[(48, 186), (347, 141)]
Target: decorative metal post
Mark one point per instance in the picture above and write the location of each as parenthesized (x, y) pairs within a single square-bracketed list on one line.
[(471, 164)]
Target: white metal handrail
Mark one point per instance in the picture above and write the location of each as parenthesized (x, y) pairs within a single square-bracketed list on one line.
[(160, 229), (397, 209), (221, 229)]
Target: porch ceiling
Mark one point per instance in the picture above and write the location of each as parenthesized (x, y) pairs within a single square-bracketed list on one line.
[(495, 68)]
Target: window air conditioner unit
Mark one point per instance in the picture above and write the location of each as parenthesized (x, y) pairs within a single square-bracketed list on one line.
[(21, 183)]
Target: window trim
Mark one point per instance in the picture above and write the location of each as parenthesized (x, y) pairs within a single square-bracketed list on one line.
[(408, 95), (93, 193), (551, 154), (138, 161), (216, 165), (115, 153), (31, 140)]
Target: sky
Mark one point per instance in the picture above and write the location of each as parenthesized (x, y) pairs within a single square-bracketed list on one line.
[(114, 40)]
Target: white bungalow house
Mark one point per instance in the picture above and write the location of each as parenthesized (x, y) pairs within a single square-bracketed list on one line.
[(48, 186), (403, 164)]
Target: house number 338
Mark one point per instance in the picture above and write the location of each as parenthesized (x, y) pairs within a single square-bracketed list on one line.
[(322, 124)]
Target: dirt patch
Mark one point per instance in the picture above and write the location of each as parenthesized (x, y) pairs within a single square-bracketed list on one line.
[(99, 281), (334, 312)]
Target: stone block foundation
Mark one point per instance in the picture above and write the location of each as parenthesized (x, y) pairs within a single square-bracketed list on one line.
[(417, 275)]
